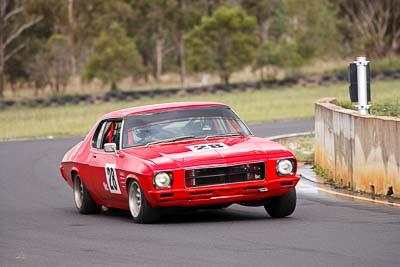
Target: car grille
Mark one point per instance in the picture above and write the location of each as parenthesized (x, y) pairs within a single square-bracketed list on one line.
[(225, 175)]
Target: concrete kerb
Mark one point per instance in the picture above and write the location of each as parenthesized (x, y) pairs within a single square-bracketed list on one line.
[(284, 136)]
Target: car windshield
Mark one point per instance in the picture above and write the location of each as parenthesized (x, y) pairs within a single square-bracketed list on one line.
[(181, 124)]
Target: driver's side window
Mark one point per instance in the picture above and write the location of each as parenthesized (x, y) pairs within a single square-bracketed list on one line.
[(108, 131)]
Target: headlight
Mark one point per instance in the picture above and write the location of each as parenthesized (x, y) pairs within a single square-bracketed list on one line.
[(285, 167), (163, 180)]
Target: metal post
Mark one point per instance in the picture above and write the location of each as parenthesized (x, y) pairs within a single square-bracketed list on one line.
[(363, 106)]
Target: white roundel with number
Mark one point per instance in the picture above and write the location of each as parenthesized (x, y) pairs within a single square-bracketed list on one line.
[(202, 147), (112, 179)]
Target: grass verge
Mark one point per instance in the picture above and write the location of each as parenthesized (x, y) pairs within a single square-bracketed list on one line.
[(252, 106), (301, 146), (377, 109)]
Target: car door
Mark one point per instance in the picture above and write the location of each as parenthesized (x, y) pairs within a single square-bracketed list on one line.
[(104, 164)]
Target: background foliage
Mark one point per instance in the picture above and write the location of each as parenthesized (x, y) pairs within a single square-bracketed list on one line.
[(52, 43), (223, 42), (114, 56)]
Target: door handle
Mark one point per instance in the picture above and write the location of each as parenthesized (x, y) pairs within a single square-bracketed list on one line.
[(94, 155)]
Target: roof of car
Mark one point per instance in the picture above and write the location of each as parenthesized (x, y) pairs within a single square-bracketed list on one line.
[(157, 107)]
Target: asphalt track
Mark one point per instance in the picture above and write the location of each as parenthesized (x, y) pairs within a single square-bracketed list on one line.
[(39, 225)]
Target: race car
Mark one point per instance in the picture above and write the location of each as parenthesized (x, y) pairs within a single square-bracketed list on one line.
[(187, 154)]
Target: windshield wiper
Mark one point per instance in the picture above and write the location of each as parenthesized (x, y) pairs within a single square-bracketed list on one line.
[(222, 135), (171, 140)]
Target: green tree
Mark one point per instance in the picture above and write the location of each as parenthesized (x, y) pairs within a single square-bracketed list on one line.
[(58, 54), (209, 6), (224, 42), (183, 18), (284, 54), (12, 24), (152, 21), (160, 27), (37, 70), (80, 21), (266, 12), (263, 11), (313, 25), (50, 65), (114, 56)]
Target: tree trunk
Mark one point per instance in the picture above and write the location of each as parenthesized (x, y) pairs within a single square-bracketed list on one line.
[(204, 79), (182, 61), (263, 30), (57, 86), (225, 78), (394, 47), (146, 62), (159, 54), (36, 91), (205, 4), (1, 66), (1, 53), (262, 77), (13, 89), (146, 74), (71, 22)]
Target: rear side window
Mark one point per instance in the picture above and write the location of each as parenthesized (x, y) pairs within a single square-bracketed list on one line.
[(108, 131)]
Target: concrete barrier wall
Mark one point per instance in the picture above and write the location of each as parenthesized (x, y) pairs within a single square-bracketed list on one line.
[(360, 152)]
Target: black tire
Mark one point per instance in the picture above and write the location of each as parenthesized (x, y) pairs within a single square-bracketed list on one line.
[(140, 208), (282, 206), (83, 201)]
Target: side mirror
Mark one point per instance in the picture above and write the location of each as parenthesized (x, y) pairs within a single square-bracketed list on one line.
[(110, 147)]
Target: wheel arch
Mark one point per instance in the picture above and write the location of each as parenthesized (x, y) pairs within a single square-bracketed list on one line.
[(74, 172), (129, 179)]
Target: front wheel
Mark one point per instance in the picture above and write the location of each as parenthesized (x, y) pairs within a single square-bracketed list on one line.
[(83, 201), (139, 207), (281, 206)]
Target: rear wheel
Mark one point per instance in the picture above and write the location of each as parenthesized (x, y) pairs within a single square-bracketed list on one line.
[(140, 208), (83, 201), (282, 206)]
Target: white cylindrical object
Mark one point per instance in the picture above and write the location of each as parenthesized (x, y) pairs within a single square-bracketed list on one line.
[(362, 85)]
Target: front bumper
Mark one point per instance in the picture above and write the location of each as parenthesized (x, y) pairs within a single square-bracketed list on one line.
[(221, 194)]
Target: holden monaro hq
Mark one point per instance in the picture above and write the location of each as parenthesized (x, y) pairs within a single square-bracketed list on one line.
[(195, 154)]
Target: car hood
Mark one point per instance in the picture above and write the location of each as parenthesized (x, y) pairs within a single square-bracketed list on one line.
[(208, 152)]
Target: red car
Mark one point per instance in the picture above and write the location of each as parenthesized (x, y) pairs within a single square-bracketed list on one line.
[(195, 154)]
